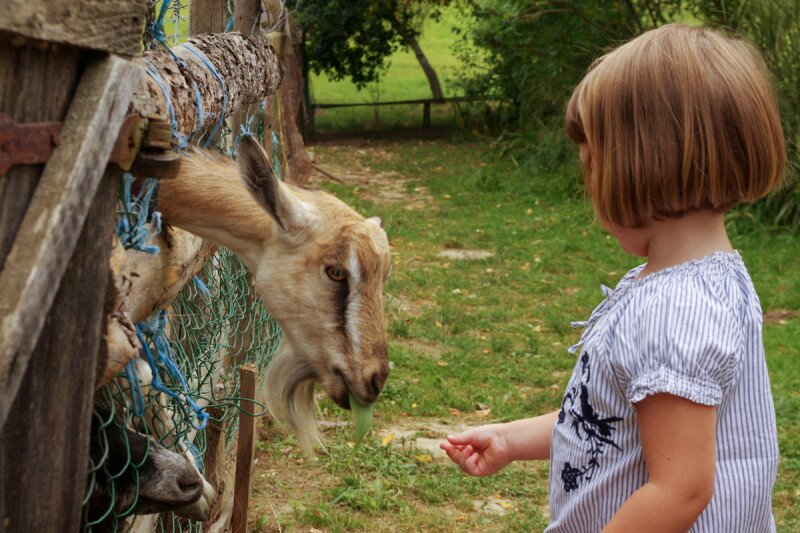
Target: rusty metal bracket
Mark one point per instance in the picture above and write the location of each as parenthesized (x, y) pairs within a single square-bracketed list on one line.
[(142, 146), (26, 143)]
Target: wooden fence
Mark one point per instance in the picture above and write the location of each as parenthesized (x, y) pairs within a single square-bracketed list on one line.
[(426, 104), (70, 70)]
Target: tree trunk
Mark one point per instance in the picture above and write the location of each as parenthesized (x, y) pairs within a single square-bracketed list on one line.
[(430, 73)]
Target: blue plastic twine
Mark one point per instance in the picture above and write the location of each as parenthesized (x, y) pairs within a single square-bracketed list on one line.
[(154, 330), (216, 74), (134, 234)]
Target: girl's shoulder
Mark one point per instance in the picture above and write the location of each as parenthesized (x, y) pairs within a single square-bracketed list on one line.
[(681, 330), (720, 279)]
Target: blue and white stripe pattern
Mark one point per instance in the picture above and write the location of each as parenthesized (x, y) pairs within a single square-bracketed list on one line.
[(693, 330)]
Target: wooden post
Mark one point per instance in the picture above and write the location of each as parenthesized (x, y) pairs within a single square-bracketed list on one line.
[(48, 232), (207, 16), (45, 438), (246, 445), (426, 115), (245, 21)]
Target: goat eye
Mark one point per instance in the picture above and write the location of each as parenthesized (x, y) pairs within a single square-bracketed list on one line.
[(336, 274)]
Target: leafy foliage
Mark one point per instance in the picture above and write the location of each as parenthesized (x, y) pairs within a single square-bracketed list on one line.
[(533, 52)]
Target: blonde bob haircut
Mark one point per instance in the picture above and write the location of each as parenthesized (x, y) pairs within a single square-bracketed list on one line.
[(676, 120)]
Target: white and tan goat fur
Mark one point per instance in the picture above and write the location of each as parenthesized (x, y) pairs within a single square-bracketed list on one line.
[(318, 265)]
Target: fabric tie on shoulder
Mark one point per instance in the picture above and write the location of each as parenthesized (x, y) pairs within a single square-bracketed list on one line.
[(598, 313)]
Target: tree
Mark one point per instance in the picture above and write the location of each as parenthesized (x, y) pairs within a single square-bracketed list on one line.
[(352, 38)]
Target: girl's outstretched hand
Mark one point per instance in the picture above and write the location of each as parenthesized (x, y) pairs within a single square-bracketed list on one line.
[(482, 451)]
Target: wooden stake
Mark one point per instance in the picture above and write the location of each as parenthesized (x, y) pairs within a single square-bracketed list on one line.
[(246, 445)]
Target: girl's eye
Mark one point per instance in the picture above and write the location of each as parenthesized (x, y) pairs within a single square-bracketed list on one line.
[(336, 274)]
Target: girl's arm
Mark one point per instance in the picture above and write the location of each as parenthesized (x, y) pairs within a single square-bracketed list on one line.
[(679, 446), (487, 449)]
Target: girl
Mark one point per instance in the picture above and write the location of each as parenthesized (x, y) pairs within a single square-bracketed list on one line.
[(667, 423)]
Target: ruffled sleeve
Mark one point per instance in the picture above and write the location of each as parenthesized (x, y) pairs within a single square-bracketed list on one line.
[(681, 339)]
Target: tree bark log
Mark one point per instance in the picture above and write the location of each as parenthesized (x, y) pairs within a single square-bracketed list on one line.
[(144, 283), (247, 65)]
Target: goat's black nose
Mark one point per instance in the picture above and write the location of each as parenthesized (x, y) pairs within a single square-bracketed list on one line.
[(189, 482), (375, 385)]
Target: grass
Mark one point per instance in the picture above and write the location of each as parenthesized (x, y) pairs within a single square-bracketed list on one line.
[(490, 333)]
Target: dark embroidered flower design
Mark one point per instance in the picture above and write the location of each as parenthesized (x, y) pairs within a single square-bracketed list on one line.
[(588, 425)]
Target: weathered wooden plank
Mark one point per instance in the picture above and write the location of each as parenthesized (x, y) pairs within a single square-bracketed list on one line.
[(45, 441), (23, 97), (45, 241), (108, 25), (245, 447)]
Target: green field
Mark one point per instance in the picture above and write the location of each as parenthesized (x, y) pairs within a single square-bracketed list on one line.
[(472, 335)]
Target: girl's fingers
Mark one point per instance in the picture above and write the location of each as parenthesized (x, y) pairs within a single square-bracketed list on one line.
[(461, 438)]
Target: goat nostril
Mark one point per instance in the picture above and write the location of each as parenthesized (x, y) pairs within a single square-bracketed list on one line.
[(375, 384), (191, 486)]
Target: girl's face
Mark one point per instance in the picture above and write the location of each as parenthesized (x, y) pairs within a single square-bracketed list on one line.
[(634, 241)]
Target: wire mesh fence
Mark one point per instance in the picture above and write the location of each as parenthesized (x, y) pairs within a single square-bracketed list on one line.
[(216, 324)]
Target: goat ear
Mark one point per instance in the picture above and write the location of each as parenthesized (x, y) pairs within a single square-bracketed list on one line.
[(266, 188), (376, 221)]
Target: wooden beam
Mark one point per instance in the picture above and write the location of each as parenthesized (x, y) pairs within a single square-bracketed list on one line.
[(44, 445), (245, 447), (108, 25), (45, 241)]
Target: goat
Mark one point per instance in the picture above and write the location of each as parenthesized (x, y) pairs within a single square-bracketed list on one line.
[(318, 265), (136, 475)]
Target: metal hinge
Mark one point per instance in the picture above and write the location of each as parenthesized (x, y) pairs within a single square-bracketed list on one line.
[(26, 144)]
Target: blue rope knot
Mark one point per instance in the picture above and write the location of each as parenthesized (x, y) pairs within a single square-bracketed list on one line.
[(153, 332), (136, 214)]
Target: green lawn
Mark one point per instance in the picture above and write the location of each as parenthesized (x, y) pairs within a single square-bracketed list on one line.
[(490, 333)]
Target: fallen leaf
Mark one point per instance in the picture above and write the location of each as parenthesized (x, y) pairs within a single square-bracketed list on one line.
[(483, 413), (456, 412), (442, 363), (387, 439), (439, 324), (424, 458)]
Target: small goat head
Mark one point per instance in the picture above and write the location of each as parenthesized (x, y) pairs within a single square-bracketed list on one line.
[(146, 477), (322, 279)]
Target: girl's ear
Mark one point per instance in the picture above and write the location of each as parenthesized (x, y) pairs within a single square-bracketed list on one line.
[(275, 197)]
